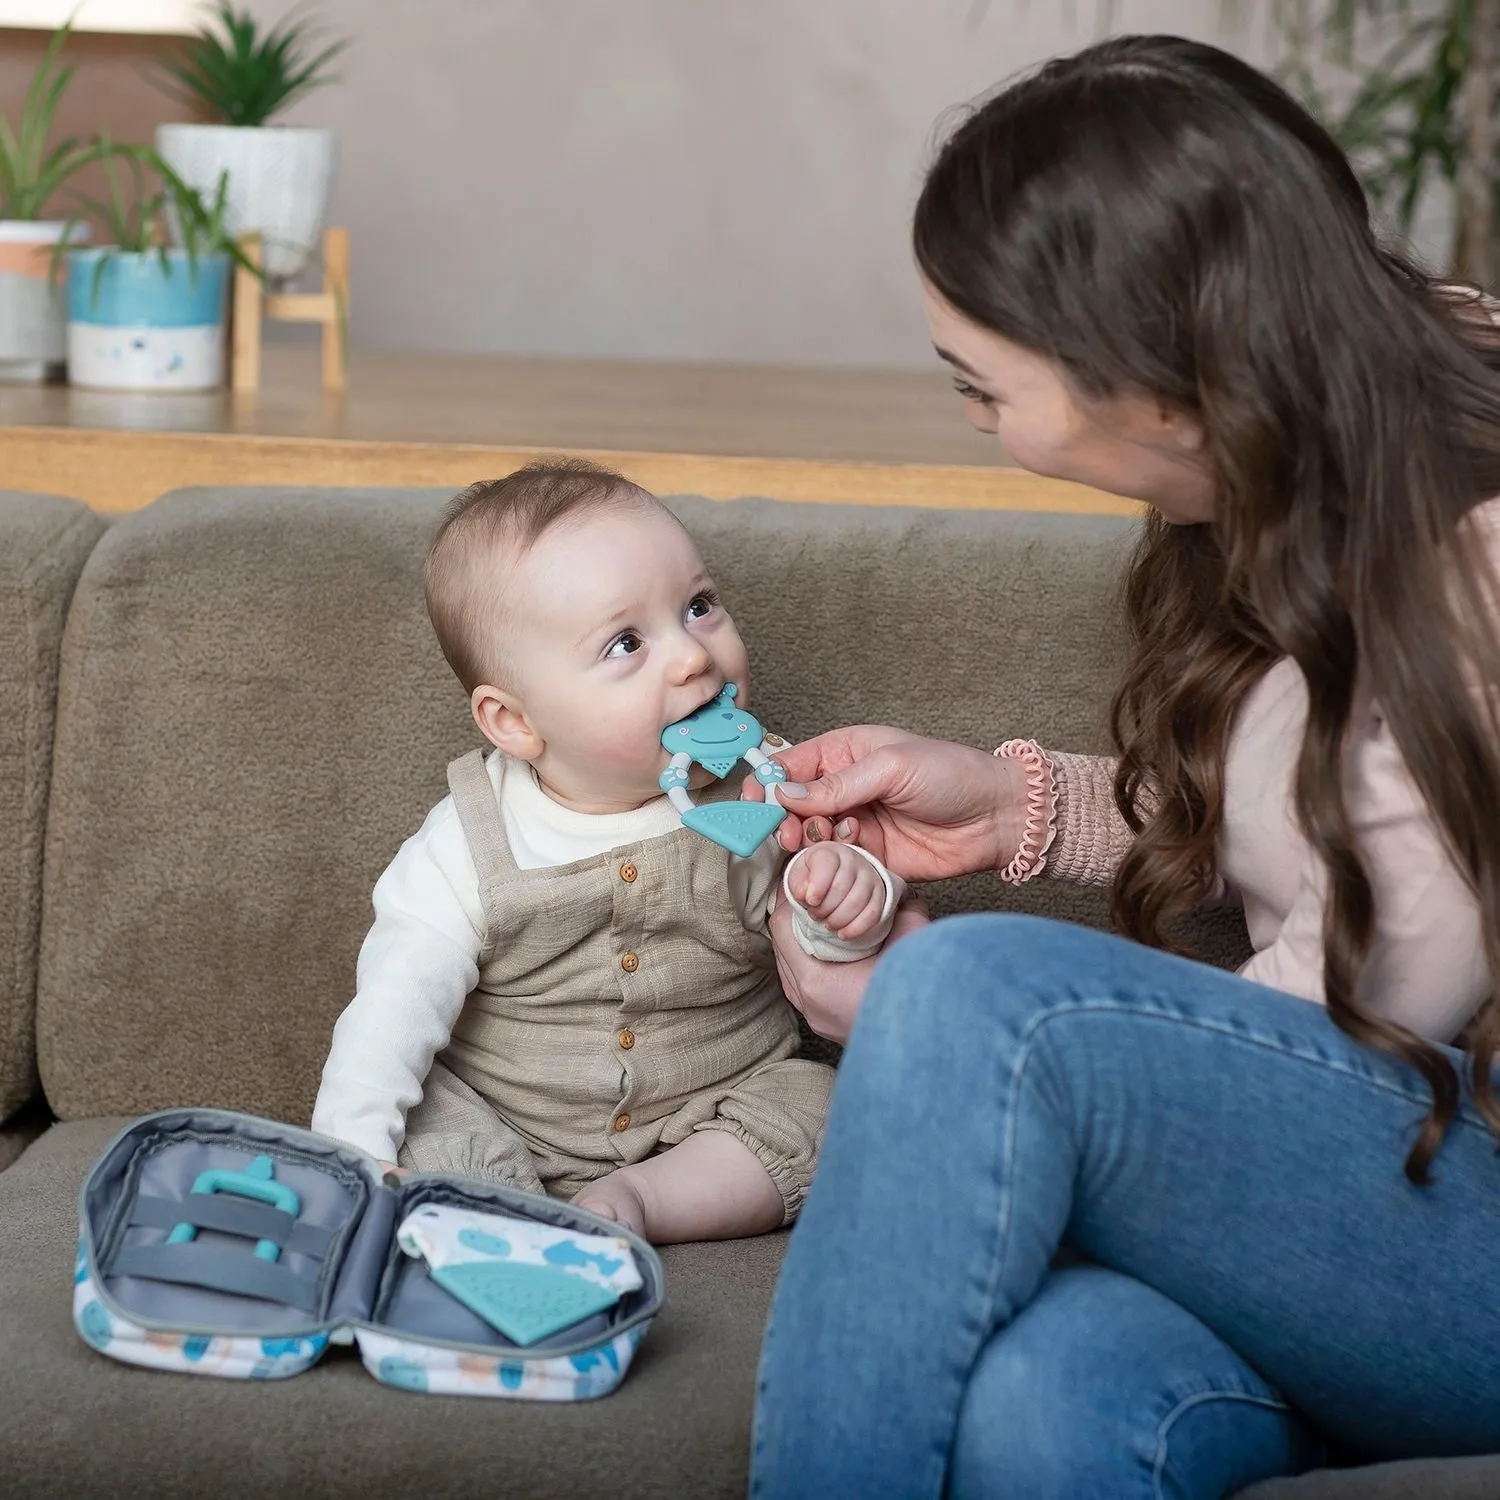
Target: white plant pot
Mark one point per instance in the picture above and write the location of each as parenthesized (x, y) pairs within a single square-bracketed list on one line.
[(33, 313), (279, 180)]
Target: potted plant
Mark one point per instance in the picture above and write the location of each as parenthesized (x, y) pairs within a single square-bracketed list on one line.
[(143, 315), (1408, 90), (32, 168), (279, 175)]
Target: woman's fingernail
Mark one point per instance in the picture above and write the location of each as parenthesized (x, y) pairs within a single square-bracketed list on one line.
[(844, 829), (791, 789)]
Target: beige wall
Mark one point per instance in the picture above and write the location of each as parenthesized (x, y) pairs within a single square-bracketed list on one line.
[(688, 179)]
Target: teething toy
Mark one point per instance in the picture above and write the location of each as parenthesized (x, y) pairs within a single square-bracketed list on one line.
[(525, 1303), (717, 737), (526, 1280), (257, 1181)]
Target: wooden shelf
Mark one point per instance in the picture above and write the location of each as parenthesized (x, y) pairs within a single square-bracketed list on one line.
[(414, 419)]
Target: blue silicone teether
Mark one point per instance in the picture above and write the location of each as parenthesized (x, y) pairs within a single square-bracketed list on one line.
[(717, 737), (256, 1181), (524, 1302)]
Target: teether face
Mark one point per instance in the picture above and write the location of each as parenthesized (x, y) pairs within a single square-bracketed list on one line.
[(717, 735)]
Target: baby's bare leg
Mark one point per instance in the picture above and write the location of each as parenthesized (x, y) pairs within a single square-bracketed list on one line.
[(709, 1187)]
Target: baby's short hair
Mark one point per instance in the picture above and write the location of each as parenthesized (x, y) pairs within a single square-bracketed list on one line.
[(510, 514)]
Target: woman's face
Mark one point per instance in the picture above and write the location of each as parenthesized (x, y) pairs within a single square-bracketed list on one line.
[(1128, 445)]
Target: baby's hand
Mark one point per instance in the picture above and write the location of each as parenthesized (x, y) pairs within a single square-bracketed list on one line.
[(840, 888)]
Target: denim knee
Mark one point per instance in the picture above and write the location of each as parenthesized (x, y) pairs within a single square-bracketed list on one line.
[(979, 968), (1102, 1389)]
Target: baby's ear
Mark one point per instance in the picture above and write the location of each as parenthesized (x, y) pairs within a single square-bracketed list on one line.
[(502, 721)]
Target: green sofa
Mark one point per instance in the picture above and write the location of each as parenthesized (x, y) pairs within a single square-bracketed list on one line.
[(218, 718)]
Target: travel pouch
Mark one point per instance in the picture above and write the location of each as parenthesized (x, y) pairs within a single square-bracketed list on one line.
[(223, 1244)]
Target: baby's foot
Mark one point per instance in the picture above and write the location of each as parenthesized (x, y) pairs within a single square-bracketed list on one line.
[(616, 1197)]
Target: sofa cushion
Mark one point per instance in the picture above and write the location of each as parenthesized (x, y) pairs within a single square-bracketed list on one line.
[(678, 1426), (254, 714), (44, 541)]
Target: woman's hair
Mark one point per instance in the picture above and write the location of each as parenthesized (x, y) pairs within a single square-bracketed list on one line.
[(1159, 218)]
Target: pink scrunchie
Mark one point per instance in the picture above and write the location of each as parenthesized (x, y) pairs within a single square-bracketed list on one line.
[(1041, 811)]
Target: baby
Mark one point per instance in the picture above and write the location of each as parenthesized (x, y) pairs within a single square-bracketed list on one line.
[(564, 988)]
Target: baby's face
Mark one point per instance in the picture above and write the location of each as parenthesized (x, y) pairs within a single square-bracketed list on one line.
[(616, 631)]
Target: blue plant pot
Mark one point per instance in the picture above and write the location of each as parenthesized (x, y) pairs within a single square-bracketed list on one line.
[(134, 325)]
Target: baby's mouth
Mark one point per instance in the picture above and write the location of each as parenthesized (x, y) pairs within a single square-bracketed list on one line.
[(682, 718)]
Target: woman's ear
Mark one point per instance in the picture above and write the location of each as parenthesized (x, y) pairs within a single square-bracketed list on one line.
[(503, 722), (1183, 432)]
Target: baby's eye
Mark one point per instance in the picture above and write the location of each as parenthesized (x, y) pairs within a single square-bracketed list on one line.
[(703, 604), (627, 643)]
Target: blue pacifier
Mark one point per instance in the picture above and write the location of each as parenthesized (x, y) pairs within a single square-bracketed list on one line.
[(717, 738)]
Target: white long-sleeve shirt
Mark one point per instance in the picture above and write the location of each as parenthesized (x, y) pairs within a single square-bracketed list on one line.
[(419, 961)]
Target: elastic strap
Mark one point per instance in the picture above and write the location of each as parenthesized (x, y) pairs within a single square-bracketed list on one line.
[(232, 1215), (217, 1268)]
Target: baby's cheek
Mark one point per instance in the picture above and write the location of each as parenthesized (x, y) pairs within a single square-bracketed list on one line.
[(625, 746)]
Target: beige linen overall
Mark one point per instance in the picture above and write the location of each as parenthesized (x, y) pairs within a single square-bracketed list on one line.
[(622, 1004)]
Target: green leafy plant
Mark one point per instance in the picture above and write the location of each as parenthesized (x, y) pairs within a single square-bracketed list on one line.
[(1409, 89), (144, 200), (1409, 96), (31, 171), (243, 76)]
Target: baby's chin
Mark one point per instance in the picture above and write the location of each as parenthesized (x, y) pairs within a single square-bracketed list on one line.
[(648, 790)]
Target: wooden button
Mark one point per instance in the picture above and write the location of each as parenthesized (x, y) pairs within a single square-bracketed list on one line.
[(630, 963), (775, 741), (626, 1039), (622, 1122), (628, 874)]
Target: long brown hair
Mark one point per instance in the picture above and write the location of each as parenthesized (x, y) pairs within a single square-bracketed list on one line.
[(1157, 217)]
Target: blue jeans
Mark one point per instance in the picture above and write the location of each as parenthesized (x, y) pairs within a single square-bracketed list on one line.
[(1258, 1279)]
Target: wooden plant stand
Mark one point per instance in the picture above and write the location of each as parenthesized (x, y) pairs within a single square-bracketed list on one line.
[(329, 307)]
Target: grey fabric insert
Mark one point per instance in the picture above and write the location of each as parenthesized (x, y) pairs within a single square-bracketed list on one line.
[(160, 1158), (358, 1277), (217, 1268)]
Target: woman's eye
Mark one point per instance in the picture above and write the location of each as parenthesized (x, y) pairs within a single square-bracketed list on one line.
[(971, 392), (625, 644), (703, 604)]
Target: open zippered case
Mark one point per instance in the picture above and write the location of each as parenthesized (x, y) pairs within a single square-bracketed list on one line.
[(223, 1244)]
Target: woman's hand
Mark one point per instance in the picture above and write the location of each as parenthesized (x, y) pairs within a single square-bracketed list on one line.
[(830, 995), (927, 809)]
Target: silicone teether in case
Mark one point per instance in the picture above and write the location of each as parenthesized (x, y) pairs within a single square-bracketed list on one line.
[(258, 1182)]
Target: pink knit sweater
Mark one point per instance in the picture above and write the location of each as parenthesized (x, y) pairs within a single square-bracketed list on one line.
[(1427, 969)]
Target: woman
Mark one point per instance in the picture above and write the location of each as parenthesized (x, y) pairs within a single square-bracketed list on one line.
[(1152, 272)]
